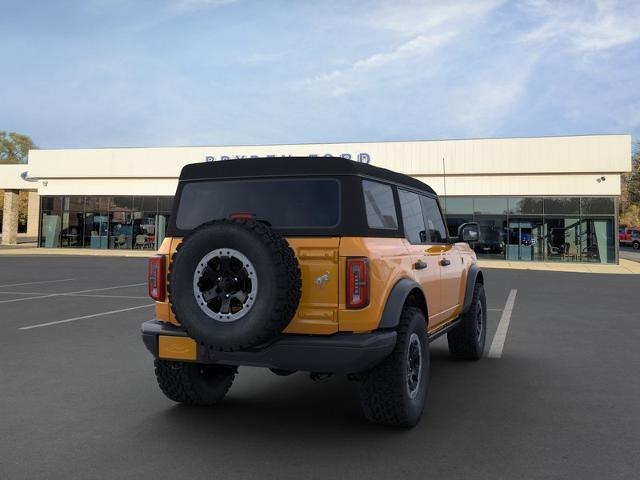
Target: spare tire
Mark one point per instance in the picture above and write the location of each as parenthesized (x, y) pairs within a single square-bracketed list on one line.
[(234, 284)]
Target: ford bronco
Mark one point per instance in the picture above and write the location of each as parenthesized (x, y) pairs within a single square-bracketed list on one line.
[(323, 265)]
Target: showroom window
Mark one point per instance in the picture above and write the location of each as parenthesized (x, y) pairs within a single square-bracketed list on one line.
[(119, 222), (551, 229)]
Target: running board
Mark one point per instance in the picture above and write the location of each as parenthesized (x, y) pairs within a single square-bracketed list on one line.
[(444, 329)]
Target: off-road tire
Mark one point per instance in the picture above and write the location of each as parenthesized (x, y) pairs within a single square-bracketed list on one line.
[(277, 272), (194, 383), (384, 395), (465, 342)]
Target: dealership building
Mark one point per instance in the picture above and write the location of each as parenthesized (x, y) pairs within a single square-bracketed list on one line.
[(535, 199)]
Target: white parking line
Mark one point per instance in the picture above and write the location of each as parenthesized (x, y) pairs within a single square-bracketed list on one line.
[(501, 333), (36, 283), (29, 327), (75, 295), (70, 293)]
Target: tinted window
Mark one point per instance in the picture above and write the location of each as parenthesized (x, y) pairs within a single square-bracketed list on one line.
[(562, 206), (597, 206), (525, 205), (490, 205), (284, 203), (458, 205), (381, 209), (412, 217), (433, 220)]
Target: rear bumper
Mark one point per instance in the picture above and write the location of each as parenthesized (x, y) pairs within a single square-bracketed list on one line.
[(338, 353)]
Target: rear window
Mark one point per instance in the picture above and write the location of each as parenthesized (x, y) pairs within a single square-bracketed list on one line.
[(381, 209), (284, 203)]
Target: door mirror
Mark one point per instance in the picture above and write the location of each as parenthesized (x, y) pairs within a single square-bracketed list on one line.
[(469, 232)]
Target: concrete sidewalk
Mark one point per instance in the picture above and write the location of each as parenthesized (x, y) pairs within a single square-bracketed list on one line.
[(35, 251), (626, 267)]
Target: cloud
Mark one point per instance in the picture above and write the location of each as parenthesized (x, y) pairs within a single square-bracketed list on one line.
[(598, 25), (418, 28), (416, 17), (339, 82)]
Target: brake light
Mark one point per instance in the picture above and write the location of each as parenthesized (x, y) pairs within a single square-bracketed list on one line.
[(156, 277), (357, 282), (241, 216)]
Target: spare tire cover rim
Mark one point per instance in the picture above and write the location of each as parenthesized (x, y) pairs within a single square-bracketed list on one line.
[(225, 284)]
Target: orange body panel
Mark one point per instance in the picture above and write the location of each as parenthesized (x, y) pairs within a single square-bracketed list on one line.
[(322, 260)]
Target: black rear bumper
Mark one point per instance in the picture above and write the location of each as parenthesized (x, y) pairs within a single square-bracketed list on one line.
[(337, 353)]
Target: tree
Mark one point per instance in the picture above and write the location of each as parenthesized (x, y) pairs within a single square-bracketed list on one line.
[(14, 147), (630, 193)]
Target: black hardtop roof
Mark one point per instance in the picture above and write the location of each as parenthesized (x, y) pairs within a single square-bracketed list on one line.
[(295, 166)]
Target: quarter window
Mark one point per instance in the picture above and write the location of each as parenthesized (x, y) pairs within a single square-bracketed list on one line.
[(433, 221), (381, 209), (412, 217)]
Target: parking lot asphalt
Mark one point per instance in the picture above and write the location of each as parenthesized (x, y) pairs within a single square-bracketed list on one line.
[(78, 398)]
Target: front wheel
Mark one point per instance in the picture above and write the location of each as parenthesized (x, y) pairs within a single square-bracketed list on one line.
[(194, 383), (636, 245), (466, 341), (394, 392)]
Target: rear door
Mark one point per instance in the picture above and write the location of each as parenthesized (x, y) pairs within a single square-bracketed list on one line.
[(426, 267), (448, 258)]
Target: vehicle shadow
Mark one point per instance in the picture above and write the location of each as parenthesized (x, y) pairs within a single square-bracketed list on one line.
[(294, 406)]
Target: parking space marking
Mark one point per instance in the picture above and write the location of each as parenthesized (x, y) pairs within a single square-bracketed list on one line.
[(36, 283), (75, 295), (71, 293), (503, 326), (67, 320)]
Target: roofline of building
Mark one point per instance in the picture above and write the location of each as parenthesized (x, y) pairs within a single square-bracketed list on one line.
[(340, 143)]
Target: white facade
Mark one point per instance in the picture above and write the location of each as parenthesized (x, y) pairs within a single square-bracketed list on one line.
[(543, 166)]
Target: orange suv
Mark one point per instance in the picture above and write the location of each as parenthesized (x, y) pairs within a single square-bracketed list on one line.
[(323, 265)]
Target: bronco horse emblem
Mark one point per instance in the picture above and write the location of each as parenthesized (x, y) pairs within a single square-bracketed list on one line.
[(322, 279)]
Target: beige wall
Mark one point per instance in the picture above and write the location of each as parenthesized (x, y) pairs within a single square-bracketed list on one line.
[(514, 166)]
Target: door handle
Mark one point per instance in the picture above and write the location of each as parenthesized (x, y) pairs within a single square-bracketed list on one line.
[(420, 265), (445, 261)]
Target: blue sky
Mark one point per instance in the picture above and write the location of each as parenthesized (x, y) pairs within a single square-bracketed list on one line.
[(99, 73)]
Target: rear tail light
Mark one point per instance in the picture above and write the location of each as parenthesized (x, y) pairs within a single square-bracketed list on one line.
[(156, 277), (357, 282)]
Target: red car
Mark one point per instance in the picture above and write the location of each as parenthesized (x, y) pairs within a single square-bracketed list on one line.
[(630, 237)]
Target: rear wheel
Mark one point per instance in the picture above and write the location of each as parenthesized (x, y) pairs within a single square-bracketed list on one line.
[(636, 245), (194, 383), (466, 341), (394, 392)]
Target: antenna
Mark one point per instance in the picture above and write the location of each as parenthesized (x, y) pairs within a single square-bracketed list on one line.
[(444, 180)]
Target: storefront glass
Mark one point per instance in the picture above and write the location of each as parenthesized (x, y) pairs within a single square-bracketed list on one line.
[(552, 229), (124, 222)]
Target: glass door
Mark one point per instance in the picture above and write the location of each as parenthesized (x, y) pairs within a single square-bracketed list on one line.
[(525, 238)]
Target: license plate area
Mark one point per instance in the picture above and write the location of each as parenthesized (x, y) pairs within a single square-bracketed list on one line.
[(176, 348)]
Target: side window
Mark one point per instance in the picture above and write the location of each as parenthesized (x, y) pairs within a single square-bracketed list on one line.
[(381, 209), (412, 217), (437, 233)]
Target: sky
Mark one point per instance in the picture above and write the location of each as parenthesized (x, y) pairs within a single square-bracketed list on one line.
[(109, 73)]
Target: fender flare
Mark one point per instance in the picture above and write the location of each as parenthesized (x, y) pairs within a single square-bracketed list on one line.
[(396, 300), (474, 276)]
